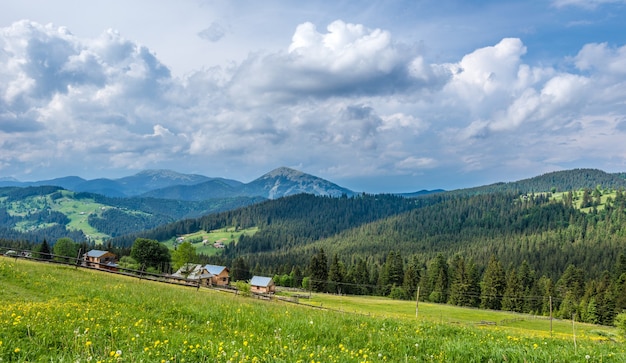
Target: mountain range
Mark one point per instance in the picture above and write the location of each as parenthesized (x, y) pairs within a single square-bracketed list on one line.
[(167, 184)]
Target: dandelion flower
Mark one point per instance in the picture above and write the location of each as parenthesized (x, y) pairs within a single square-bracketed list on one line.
[(17, 350)]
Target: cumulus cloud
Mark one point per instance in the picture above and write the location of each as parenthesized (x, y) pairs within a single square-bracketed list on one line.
[(347, 59), (349, 101)]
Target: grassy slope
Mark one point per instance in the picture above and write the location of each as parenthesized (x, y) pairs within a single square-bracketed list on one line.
[(58, 313), (224, 235)]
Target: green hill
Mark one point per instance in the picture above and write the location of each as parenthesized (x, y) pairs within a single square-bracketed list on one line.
[(35, 213)]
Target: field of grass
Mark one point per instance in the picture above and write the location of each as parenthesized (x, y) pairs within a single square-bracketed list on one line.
[(514, 323), (577, 195), (57, 313), (224, 235)]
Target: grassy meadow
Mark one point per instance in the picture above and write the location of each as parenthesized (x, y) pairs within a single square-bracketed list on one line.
[(225, 236), (55, 313)]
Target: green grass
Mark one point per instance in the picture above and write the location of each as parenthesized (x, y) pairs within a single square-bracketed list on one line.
[(55, 313), (525, 324), (224, 235)]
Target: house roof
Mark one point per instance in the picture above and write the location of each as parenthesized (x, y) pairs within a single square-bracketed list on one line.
[(97, 253), (261, 281), (215, 270), (192, 271)]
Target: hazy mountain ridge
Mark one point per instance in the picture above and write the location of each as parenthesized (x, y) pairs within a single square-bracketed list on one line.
[(168, 184)]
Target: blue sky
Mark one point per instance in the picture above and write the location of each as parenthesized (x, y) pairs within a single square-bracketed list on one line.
[(377, 96)]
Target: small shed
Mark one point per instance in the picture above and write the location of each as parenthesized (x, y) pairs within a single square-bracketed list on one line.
[(262, 285), (100, 259)]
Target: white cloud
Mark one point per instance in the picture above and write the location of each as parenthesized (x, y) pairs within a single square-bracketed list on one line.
[(349, 101)]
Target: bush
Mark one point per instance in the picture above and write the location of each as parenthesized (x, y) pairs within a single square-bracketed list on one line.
[(243, 288)]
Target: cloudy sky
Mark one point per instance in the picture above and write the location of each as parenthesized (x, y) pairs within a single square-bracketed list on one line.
[(376, 96)]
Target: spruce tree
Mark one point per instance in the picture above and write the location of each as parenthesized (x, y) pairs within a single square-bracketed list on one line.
[(336, 275), (493, 284), (319, 271), (44, 250)]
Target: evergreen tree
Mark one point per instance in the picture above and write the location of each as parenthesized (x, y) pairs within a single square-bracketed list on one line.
[(392, 272), (570, 287), (474, 286), (412, 276), (240, 270), (43, 251), (296, 276), (512, 298), (336, 275), (493, 285), (546, 291), (319, 271), (460, 282), (438, 280)]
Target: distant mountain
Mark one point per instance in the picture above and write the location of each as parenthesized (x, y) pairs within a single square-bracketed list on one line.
[(421, 193), (129, 186), (148, 180), (214, 188), (277, 183), (167, 184), (285, 181)]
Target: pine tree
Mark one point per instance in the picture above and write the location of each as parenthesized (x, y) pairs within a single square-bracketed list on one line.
[(493, 285), (438, 280), (336, 275), (43, 251), (459, 284), (511, 300), (240, 270), (412, 276), (319, 271)]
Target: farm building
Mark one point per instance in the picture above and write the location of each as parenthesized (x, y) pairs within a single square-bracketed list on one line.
[(209, 275), (262, 285), (100, 259)]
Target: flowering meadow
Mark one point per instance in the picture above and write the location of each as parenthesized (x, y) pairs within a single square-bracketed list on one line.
[(55, 313)]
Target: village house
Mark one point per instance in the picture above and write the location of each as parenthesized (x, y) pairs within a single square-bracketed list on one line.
[(209, 275), (262, 285), (220, 275), (100, 259)]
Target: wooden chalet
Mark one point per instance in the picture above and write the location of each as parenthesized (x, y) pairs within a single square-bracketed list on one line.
[(208, 275), (262, 285), (100, 259)]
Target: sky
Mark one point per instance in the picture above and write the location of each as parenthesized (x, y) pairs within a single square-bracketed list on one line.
[(376, 96)]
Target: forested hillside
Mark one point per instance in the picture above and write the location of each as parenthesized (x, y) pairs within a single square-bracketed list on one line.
[(558, 181), (32, 214), (292, 220), (504, 250)]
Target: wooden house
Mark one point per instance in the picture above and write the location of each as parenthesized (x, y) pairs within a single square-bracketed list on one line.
[(209, 275), (100, 259), (262, 285), (219, 275)]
